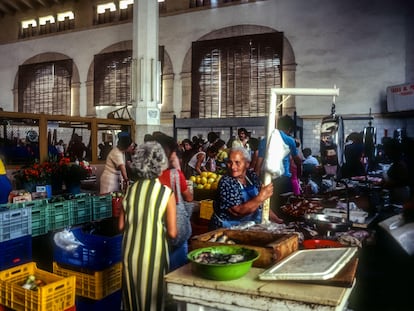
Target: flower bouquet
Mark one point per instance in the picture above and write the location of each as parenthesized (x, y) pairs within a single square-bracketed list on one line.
[(74, 172), (35, 174)]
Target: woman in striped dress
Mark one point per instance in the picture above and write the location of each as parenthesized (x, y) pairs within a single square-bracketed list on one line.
[(148, 216)]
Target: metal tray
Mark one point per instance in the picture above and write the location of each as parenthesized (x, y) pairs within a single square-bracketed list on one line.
[(310, 264)]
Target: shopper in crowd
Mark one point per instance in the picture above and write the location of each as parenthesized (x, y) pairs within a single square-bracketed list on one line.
[(148, 217), (309, 158), (197, 162), (115, 171), (354, 154), (60, 148), (5, 184), (211, 156), (175, 179), (240, 194), (186, 155), (397, 178), (242, 139), (76, 149), (212, 138), (222, 154), (283, 184), (296, 187)]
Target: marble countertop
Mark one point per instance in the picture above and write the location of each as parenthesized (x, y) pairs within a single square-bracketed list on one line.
[(184, 283)]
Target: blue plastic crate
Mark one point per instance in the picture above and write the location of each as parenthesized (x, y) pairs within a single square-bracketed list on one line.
[(98, 252), (111, 302), (15, 223), (101, 206), (39, 216), (81, 209), (15, 252), (58, 214)]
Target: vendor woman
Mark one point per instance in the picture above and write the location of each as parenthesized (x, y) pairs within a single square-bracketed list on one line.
[(240, 194)]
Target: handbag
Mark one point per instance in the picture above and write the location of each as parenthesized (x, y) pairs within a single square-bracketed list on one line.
[(184, 212)]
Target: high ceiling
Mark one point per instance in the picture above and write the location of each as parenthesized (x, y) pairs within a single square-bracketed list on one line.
[(11, 7)]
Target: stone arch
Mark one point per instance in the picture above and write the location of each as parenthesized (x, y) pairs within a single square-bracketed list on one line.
[(48, 57), (288, 63)]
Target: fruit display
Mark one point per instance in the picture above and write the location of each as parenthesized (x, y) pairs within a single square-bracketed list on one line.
[(206, 180)]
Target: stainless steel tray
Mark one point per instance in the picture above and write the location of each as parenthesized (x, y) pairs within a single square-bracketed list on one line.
[(310, 264)]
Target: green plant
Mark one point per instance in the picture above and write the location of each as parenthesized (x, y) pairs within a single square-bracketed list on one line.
[(73, 172)]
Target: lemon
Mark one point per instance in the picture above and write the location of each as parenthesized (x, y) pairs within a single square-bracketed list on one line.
[(203, 180), (204, 174), (198, 179), (200, 186), (211, 180), (214, 186), (193, 178), (207, 186)]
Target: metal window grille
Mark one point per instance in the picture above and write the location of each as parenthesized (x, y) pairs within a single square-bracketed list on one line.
[(232, 77), (45, 87), (112, 78)]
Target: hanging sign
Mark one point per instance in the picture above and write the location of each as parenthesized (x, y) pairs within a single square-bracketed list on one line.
[(400, 97)]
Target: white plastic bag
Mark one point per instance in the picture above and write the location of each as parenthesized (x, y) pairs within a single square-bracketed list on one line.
[(276, 151), (66, 240)]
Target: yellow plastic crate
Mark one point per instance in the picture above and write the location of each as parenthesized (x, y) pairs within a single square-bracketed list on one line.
[(206, 209), (93, 284), (57, 295)]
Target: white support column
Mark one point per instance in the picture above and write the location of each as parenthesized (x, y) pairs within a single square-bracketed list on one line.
[(145, 99)]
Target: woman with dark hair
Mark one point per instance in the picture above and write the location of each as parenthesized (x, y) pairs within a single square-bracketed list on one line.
[(115, 166), (148, 217)]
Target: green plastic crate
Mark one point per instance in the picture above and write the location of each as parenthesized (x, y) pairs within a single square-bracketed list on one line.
[(81, 209), (59, 214), (39, 216), (101, 206)]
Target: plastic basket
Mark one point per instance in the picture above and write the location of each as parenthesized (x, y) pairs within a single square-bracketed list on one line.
[(15, 223), (39, 216), (57, 295), (81, 209), (111, 302), (15, 252), (93, 284), (58, 215), (98, 252), (101, 206)]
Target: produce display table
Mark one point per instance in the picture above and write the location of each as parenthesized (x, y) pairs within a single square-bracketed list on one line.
[(250, 293)]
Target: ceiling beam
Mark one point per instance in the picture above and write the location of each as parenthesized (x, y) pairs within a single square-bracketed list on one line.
[(13, 4), (4, 9), (42, 3), (28, 3)]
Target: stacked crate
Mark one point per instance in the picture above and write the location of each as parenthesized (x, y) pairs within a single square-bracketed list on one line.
[(15, 236), (96, 264), (57, 293)]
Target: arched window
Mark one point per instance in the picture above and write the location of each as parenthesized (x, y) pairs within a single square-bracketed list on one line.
[(45, 87), (112, 78), (232, 77)]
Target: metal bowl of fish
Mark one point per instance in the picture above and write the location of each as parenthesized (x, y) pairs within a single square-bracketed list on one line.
[(222, 263)]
